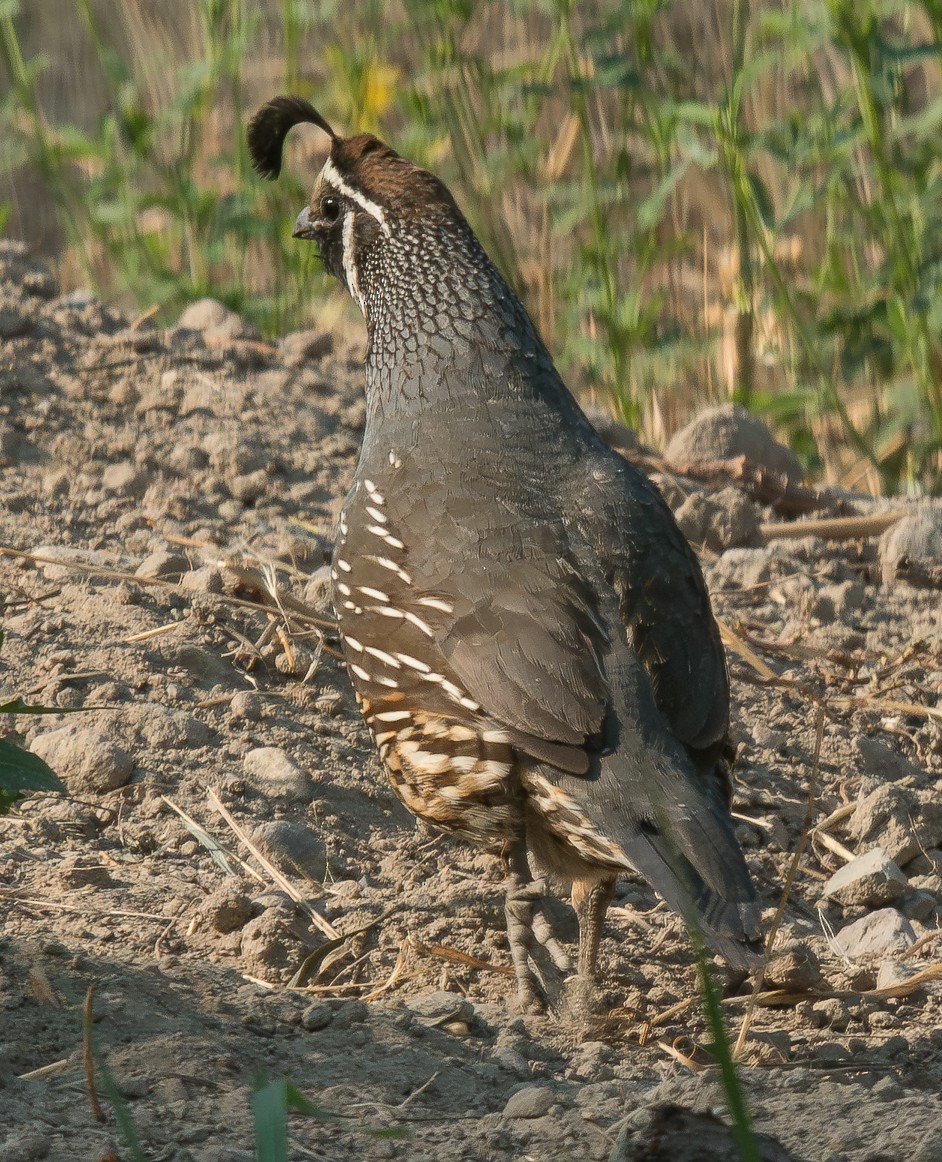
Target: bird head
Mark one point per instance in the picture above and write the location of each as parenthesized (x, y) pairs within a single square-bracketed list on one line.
[(368, 201)]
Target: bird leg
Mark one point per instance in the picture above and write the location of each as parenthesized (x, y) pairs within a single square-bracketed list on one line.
[(532, 943), (591, 898)]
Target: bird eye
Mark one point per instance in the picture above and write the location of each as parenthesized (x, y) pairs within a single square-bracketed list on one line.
[(330, 209)]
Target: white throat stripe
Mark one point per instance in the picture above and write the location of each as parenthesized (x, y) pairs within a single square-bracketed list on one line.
[(349, 260), (330, 175)]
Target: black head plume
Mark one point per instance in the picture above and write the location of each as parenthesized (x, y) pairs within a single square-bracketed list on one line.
[(269, 127)]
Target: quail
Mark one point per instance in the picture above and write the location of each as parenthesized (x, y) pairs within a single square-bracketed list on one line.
[(528, 633)]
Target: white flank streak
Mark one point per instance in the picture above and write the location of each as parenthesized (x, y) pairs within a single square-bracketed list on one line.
[(350, 261), (393, 568), (359, 671), (329, 174), (392, 715), (369, 485), (345, 565), (343, 587), (378, 594), (419, 623), (414, 663), (494, 736), (434, 603), (391, 682), (352, 642), (386, 610), (384, 657), (376, 514), (469, 704)]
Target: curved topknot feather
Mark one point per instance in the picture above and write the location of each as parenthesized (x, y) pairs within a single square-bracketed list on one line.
[(269, 127)]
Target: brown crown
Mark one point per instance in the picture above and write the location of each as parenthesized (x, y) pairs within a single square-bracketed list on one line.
[(363, 162)]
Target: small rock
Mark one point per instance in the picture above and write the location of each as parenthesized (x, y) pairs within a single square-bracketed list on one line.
[(510, 1060), (885, 818), (248, 487), (347, 1013), (919, 904), (880, 932), (82, 870), (123, 479), (206, 579), (728, 431), (227, 909), (532, 1101), (871, 878), (200, 663), (894, 972), (441, 1006), (305, 347), (915, 539), (882, 762), (723, 520), (835, 602), (162, 729), (797, 968), (270, 948), (887, 1089), (169, 566), (317, 1016), (293, 848), (274, 772), (86, 760), (216, 322), (926, 863), (246, 705)]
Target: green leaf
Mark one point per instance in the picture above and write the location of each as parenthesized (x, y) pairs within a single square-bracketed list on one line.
[(22, 771), (18, 706)]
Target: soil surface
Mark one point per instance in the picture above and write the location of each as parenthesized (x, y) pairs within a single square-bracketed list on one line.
[(172, 497)]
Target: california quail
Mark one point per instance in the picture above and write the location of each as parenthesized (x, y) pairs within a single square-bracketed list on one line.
[(527, 630)]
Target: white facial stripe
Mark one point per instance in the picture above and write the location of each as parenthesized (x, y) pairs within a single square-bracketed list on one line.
[(349, 260), (330, 175)]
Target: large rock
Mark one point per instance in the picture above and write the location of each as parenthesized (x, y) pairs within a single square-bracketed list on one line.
[(85, 759), (871, 878), (874, 935), (728, 431)]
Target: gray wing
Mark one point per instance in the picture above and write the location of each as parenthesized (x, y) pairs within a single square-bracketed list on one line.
[(663, 599)]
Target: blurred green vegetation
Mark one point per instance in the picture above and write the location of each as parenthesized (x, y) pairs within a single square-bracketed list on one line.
[(698, 201)]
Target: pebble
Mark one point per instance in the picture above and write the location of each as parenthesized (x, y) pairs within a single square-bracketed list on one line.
[(246, 705), (294, 848), (85, 759), (531, 1101), (164, 565), (123, 478), (302, 347), (719, 521), (274, 772), (227, 909), (878, 932), (317, 1016), (884, 818), (162, 729), (894, 972), (797, 967), (215, 320), (914, 539), (882, 762), (440, 1006), (871, 878)]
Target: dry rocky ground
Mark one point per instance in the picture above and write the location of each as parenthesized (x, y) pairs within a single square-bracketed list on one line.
[(159, 487)]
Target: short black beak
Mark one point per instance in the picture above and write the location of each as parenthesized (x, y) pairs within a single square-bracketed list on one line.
[(304, 226)]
